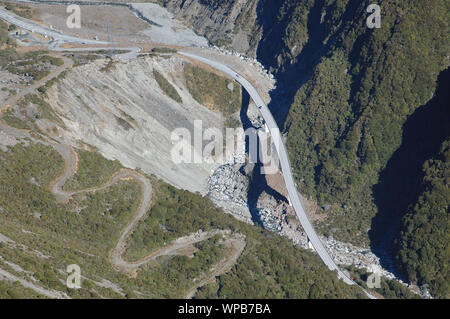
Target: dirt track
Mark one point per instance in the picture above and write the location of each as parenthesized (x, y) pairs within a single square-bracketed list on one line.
[(236, 242), (68, 63)]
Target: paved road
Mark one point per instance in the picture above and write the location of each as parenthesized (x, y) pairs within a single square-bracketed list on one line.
[(284, 161), (265, 112), (59, 38)]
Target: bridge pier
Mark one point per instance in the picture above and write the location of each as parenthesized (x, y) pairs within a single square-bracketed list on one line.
[(310, 245)]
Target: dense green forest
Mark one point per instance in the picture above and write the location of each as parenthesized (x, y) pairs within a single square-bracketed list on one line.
[(346, 121), (353, 92), (424, 249), (84, 230)]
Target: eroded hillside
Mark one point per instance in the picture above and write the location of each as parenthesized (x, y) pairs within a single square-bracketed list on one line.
[(349, 94), (120, 109)]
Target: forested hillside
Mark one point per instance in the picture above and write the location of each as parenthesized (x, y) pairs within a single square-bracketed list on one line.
[(346, 121), (359, 126), (84, 230), (424, 250)]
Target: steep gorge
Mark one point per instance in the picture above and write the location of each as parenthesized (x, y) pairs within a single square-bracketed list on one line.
[(345, 94)]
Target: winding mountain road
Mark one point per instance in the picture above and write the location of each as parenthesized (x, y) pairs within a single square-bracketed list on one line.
[(284, 161), (294, 197), (234, 241), (59, 38)]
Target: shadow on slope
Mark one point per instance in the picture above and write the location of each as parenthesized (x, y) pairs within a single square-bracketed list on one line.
[(292, 74), (399, 184), (257, 182)]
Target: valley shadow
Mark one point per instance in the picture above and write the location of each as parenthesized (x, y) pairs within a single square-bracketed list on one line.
[(292, 76), (400, 182), (257, 181)]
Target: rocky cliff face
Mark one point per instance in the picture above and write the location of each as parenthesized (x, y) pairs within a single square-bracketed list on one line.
[(225, 23), (277, 32), (279, 217)]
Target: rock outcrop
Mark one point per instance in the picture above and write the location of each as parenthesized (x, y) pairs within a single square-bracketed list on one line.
[(279, 217), (224, 23)]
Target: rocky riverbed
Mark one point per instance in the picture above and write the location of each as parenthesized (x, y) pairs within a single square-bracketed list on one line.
[(227, 188), (278, 216)]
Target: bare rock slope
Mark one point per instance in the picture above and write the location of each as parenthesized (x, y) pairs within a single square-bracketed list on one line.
[(121, 111)]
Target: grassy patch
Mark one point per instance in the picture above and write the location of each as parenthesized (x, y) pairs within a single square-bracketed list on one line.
[(108, 67), (211, 90), (82, 58), (43, 89), (20, 9), (8, 52), (128, 118), (123, 123), (36, 65), (14, 290), (166, 87), (44, 110), (12, 120)]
